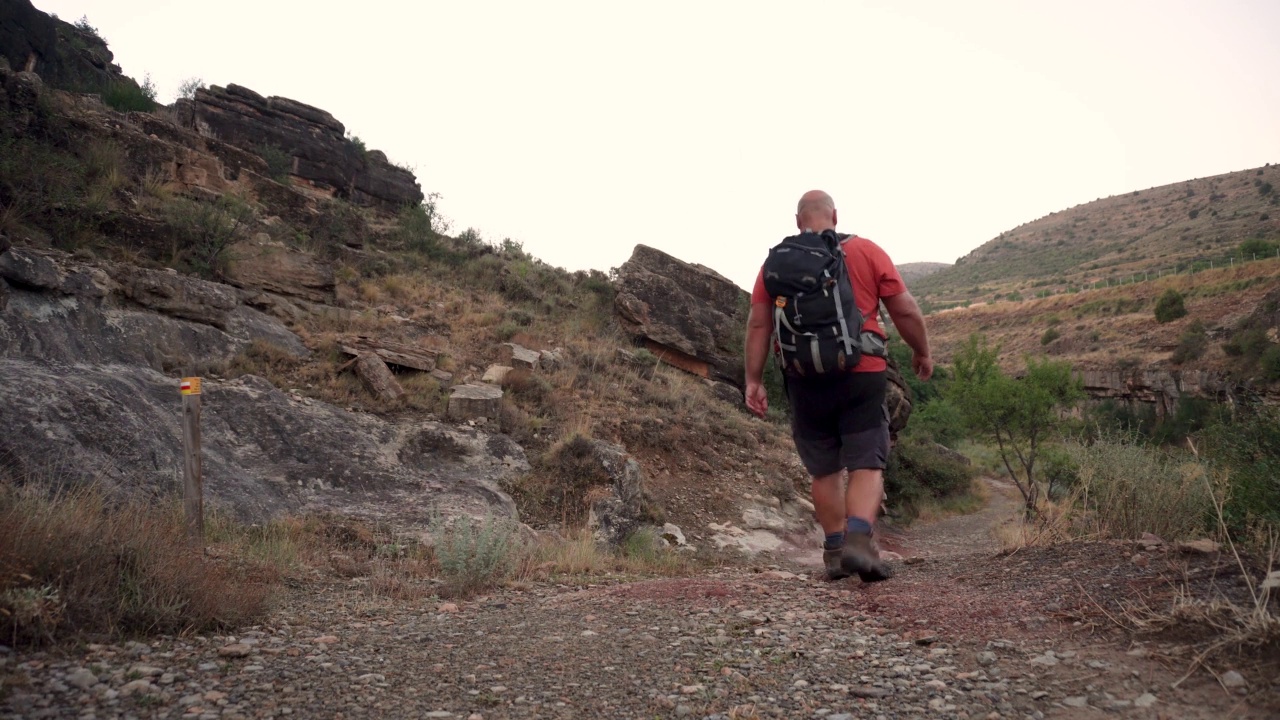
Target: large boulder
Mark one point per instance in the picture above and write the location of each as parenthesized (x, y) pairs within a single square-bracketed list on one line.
[(64, 55), (313, 139), (689, 315)]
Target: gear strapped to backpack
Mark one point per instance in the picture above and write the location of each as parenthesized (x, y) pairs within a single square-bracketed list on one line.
[(817, 326)]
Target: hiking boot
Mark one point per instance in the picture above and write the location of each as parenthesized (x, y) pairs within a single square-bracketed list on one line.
[(859, 556), (835, 570)]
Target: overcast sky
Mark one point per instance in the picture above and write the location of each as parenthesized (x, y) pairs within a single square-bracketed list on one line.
[(584, 128)]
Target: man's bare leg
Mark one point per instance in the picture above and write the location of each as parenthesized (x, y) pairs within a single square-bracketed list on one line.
[(829, 506), (862, 499), (862, 505), (829, 502)]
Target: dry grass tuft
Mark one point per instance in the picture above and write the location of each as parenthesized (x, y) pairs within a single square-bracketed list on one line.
[(73, 562)]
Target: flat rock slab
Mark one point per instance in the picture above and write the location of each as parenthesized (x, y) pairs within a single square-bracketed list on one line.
[(473, 402), (518, 356)]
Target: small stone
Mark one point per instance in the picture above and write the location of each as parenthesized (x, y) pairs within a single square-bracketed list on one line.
[(475, 716), (188, 700), (683, 710), (326, 640), (936, 685), (214, 696), (448, 608), (691, 689), (1232, 679), (800, 684), (1144, 700), (438, 714), (1077, 701), (588, 633), (1047, 660), (82, 678), (986, 658), (136, 687), (1203, 546)]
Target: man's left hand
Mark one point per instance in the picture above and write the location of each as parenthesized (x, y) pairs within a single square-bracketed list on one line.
[(757, 399), (923, 365)]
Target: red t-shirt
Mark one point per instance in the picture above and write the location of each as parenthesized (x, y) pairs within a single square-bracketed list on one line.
[(874, 277)]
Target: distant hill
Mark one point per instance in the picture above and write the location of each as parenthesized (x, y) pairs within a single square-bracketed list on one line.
[(914, 271), (1115, 238)]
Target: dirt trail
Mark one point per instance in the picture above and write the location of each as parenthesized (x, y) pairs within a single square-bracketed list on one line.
[(961, 633)]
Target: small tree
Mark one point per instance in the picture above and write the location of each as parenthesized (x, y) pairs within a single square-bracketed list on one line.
[(1018, 414), (1170, 306)]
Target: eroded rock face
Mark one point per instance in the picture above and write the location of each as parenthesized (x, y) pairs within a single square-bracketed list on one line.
[(65, 56), (314, 140), (624, 510), (689, 315), (264, 264), (265, 452), (90, 358)]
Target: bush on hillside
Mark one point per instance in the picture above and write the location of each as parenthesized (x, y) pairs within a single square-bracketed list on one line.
[(130, 97), (1246, 451), (1049, 336), (74, 563), (1191, 345), (919, 472), (1126, 488), (1170, 306)]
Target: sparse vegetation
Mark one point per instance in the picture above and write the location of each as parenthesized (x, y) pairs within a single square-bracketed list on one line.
[(474, 554), (1170, 306), (1049, 336), (1019, 415), (1191, 344), (187, 89), (73, 562), (127, 96)]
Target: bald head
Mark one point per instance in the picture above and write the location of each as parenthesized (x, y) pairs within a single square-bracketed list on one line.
[(816, 211)]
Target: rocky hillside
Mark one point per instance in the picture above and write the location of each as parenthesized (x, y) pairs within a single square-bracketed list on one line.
[(358, 359), (912, 272), (1111, 240)]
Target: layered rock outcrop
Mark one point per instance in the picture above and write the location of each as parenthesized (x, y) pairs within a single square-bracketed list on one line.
[(65, 56), (89, 361), (319, 153), (689, 315)]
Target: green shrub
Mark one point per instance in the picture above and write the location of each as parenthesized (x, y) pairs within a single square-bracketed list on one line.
[(939, 421), (919, 472), (474, 554), (1270, 364), (1247, 451), (128, 96), (1247, 343), (73, 563), (1126, 488), (1170, 306), (189, 87), (1049, 336), (1256, 247), (279, 162), (203, 232), (1191, 345)]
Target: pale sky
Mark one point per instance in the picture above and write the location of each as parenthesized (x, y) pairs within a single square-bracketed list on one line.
[(584, 128)]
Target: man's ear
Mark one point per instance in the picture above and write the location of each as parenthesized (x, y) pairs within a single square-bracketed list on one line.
[(799, 225), (834, 220)]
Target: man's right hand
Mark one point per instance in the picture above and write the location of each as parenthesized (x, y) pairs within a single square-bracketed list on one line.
[(757, 399), (923, 365)]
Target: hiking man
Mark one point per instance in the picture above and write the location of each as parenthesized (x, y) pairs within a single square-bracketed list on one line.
[(838, 417)]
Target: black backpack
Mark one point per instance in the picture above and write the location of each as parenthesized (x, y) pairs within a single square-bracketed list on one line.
[(817, 326)]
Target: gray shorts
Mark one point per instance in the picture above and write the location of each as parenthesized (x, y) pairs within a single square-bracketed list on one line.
[(840, 422)]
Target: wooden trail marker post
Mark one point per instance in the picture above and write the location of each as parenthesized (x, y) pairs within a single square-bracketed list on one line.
[(193, 483)]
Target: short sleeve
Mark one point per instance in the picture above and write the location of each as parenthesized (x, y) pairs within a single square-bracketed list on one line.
[(888, 280), (758, 294)]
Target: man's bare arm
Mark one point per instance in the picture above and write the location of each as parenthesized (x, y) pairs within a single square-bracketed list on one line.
[(909, 321), (759, 330)]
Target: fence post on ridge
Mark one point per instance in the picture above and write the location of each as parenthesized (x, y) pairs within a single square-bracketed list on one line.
[(193, 482)]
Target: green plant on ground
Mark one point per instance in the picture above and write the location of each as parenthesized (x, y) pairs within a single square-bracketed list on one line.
[(921, 473), (73, 563), (1126, 488), (1170, 306), (473, 554), (1049, 336), (279, 162), (128, 96), (1018, 415), (189, 87), (1191, 344), (203, 232)]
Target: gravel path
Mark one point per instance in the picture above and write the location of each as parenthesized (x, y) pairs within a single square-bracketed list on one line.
[(766, 642)]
